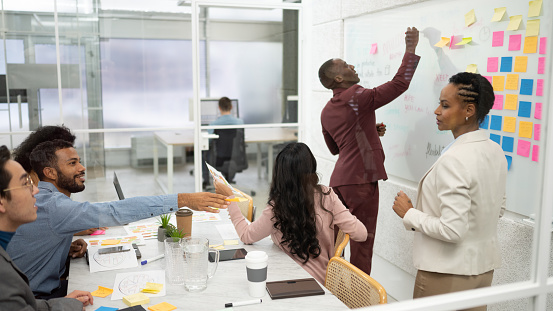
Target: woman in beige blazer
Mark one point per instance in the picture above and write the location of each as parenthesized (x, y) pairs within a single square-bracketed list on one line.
[(460, 198)]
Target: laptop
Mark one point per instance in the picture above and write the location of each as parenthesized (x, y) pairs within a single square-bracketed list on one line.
[(118, 187)]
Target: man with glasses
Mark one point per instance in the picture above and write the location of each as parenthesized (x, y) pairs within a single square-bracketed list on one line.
[(17, 207), (40, 248)]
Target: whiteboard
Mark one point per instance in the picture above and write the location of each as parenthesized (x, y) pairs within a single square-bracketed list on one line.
[(412, 142)]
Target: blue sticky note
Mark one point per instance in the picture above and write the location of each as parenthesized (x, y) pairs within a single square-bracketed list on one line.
[(509, 161), (106, 309), (496, 122), (485, 123), (508, 143), (506, 64), (496, 138), (526, 86), (524, 109)]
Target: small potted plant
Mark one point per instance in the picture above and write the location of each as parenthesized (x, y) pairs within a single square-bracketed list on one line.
[(163, 227), (174, 233)]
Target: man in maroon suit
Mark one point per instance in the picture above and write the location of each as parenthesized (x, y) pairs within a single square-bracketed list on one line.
[(348, 121)]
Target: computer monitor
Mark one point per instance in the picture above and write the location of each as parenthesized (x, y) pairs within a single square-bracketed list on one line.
[(210, 109)]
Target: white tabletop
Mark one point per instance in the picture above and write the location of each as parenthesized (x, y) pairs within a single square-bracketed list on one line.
[(228, 285)]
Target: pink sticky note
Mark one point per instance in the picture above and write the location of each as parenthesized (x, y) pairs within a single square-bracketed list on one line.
[(541, 65), (498, 103), (543, 44), (514, 42), (373, 49), (537, 111), (489, 78), (535, 153), (537, 131), (493, 64), (497, 39), (98, 232), (539, 88), (523, 148)]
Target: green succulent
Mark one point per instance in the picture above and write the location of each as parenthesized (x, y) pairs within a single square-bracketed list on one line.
[(164, 220)]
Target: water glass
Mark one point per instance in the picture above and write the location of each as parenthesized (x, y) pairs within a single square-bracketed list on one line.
[(174, 261), (196, 251)]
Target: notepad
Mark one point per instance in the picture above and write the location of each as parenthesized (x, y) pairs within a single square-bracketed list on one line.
[(136, 299), (164, 306), (102, 292), (294, 288)]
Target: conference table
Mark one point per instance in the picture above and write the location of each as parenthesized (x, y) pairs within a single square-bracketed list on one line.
[(229, 284), (170, 139)]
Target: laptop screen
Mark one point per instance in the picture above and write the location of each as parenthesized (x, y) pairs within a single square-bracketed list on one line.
[(118, 187)]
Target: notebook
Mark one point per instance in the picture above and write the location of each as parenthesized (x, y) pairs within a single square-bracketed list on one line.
[(294, 288), (118, 187)]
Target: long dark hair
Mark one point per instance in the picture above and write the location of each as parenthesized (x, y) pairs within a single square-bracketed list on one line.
[(292, 195)]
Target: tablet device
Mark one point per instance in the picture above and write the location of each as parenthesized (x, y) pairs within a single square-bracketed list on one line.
[(229, 254), (294, 288)]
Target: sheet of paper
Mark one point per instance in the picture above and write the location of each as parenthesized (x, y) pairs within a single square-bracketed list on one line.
[(127, 239), (112, 261), (217, 176), (509, 161), (539, 87), (511, 102), (514, 42), (496, 138), (464, 41), (147, 230), (498, 14), (537, 111), (507, 143), (227, 232), (506, 64), (514, 22), (537, 131), (509, 124), (445, 41), (470, 18), (526, 86), (102, 292), (543, 45), (541, 65), (493, 64), (472, 68), (230, 242), (110, 242), (373, 48), (512, 82), (521, 62), (530, 45), (534, 8), (498, 83), (525, 129), (498, 102), (533, 28), (496, 122), (205, 216), (535, 153), (523, 148), (133, 282), (497, 39)]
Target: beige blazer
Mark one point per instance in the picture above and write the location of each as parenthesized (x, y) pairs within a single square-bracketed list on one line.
[(460, 200)]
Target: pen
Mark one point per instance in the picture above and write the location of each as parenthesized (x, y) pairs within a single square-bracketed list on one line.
[(242, 303), (143, 262)]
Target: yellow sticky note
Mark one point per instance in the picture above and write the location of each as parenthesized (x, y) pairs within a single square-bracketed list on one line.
[(521, 63), (512, 82), (525, 129), (217, 246), (510, 102), (230, 242), (534, 8), (514, 22), (153, 288), (102, 292), (237, 199), (136, 299), (470, 18), (533, 28), (509, 124), (164, 306), (498, 83), (464, 41), (471, 68), (530, 45), (498, 14), (443, 42), (110, 242)]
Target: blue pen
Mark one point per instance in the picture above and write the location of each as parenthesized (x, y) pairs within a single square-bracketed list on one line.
[(143, 262)]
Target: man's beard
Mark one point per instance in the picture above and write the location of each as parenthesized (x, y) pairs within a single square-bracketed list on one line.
[(69, 184)]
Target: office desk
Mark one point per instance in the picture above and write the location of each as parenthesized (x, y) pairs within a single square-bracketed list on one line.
[(229, 284), (169, 139)]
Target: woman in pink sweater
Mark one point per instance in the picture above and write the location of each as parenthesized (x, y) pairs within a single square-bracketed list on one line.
[(300, 215)]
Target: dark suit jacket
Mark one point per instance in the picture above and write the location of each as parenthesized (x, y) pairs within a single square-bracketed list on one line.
[(349, 127), (15, 293)]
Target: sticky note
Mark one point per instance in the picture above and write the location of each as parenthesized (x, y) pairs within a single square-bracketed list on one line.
[(470, 18), (498, 14), (523, 148), (136, 299), (493, 63), (535, 153), (537, 131), (237, 199), (526, 86), (472, 68), (506, 64), (521, 63), (373, 48), (152, 288), (106, 309), (537, 111), (530, 45), (525, 129), (498, 102), (509, 124), (489, 78), (507, 144), (539, 87), (543, 45), (534, 8), (102, 292), (164, 306), (511, 102), (512, 82), (445, 41), (496, 138), (533, 28), (98, 232), (541, 65), (230, 242), (524, 109), (110, 242), (509, 161), (464, 41), (495, 123), (219, 246), (514, 42), (497, 39), (514, 22), (485, 123), (498, 83)]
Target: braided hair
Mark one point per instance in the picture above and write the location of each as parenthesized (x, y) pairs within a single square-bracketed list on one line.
[(475, 89)]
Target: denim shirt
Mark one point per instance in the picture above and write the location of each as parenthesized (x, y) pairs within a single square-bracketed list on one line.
[(40, 248)]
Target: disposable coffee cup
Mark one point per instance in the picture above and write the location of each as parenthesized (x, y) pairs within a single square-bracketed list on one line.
[(256, 267), (184, 221)]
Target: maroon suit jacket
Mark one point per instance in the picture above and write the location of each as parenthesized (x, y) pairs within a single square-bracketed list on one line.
[(349, 127)]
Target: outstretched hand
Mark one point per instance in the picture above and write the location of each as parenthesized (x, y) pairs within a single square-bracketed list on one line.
[(203, 201), (411, 39)]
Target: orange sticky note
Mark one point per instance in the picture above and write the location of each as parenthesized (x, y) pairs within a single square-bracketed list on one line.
[(512, 82), (164, 306), (237, 199), (110, 242), (525, 129), (530, 45), (498, 83), (511, 102), (102, 292), (521, 62), (533, 28), (509, 124), (514, 22), (443, 42)]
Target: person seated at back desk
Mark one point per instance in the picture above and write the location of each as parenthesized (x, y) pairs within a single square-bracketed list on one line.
[(40, 248), (226, 118)]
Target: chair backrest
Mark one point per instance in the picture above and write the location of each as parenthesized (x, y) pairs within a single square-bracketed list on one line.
[(341, 241), (231, 144)]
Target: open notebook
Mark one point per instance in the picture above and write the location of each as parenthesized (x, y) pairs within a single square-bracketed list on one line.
[(294, 288)]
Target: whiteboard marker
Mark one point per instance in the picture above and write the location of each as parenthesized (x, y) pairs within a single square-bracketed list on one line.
[(143, 262)]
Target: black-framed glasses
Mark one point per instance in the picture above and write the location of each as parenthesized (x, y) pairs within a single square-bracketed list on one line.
[(28, 184)]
